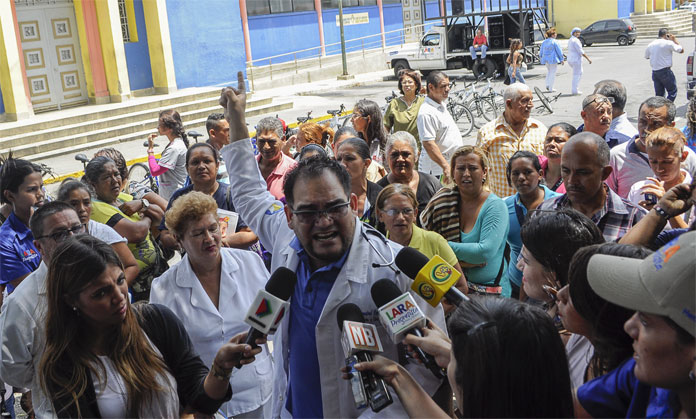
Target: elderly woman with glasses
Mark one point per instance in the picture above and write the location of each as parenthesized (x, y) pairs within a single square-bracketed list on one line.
[(402, 155), (402, 112), (397, 208)]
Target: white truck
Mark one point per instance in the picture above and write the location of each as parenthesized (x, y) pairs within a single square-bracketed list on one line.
[(446, 45)]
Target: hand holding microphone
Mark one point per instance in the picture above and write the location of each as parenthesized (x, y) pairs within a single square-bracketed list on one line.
[(360, 340), (434, 342), (269, 307), (401, 316)]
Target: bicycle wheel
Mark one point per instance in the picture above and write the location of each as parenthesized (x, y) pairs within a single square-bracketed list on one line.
[(140, 174), (483, 110), (463, 117), (544, 100)]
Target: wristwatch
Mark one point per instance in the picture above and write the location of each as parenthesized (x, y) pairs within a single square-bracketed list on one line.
[(146, 204)]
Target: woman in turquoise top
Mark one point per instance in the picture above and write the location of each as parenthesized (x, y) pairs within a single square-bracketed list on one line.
[(524, 173), (483, 224)]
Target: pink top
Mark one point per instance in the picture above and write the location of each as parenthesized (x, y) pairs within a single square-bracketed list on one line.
[(155, 168), (544, 164), (274, 181)]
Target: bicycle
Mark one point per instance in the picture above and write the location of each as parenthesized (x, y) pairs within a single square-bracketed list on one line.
[(336, 119), (139, 176), (194, 134), (480, 106), (462, 117), (546, 100)]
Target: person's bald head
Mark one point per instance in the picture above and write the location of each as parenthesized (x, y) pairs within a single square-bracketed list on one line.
[(592, 140), (584, 167)]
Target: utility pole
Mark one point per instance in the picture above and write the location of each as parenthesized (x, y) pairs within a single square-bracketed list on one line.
[(345, 75)]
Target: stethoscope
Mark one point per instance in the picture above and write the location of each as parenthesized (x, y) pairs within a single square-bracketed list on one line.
[(366, 228)]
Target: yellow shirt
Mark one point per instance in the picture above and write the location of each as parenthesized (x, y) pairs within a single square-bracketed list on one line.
[(430, 244), (499, 141)]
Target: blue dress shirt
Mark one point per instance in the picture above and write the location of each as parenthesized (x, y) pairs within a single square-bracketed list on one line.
[(18, 255)]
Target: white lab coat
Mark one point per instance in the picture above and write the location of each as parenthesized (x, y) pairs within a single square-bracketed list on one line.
[(266, 218), (242, 275)]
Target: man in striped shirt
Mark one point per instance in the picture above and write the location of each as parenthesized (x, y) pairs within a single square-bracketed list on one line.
[(584, 168), (512, 131)]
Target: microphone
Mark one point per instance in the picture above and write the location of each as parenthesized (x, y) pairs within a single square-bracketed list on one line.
[(269, 306), (432, 279), (359, 341), (400, 315)]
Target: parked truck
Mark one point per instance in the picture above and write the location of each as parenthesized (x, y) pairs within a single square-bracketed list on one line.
[(446, 44)]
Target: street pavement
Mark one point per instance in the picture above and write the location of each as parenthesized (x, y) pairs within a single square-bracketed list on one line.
[(609, 61)]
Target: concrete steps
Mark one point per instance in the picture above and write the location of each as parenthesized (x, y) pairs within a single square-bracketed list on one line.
[(679, 22), (99, 127)]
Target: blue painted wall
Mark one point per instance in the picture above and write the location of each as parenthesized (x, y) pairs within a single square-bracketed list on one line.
[(281, 33), (2, 104), (624, 8), (207, 42), (137, 54)]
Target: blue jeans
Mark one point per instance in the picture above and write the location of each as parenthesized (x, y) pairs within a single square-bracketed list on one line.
[(664, 80), (517, 77), (473, 50)]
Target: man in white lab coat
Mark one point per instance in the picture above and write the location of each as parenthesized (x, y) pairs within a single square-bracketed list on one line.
[(337, 259)]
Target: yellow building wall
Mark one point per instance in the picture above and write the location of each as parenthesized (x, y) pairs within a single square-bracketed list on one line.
[(567, 14)]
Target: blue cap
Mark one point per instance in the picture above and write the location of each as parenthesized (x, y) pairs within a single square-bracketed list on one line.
[(575, 29)]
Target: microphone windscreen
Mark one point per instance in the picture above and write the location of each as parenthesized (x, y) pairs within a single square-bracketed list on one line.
[(410, 261), (281, 283), (384, 291), (350, 312)]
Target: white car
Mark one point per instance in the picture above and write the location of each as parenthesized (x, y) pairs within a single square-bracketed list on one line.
[(689, 6)]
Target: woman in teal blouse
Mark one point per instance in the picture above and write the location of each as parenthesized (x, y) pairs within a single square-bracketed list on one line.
[(474, 221)]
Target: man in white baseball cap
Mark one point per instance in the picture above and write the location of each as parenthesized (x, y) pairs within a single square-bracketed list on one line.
[(658, 381)]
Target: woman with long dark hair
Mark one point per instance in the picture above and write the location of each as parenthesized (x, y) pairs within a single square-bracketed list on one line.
[(106, 358), (367, 120), (498, 347), (171, 167), (515, 61)]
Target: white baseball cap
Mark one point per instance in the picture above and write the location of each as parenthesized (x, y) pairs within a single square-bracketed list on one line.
[(662, 284)]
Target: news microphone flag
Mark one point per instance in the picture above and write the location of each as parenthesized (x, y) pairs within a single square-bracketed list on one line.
[(401, 315), (434, 280), (266, 312), (360, 337)]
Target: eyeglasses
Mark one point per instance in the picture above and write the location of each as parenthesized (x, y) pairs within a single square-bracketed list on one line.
[(60, 235), (599, 101), (394, 212), (311, 216), (214, 229), (262, 141), (356, 116)]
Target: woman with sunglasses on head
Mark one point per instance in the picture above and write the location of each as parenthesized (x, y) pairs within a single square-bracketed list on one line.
[(110, 206), (524, 173), (354, 155), (202, 164), (367, 120), (587, 315), (549, 241), (171, 167), (78, 195), (659, 380), (21, 187), (104, 357), (489, 336)]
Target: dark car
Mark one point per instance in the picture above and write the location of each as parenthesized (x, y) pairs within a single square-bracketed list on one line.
[(621, 31)]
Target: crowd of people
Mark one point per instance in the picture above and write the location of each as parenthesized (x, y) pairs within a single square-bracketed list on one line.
[(576, 249)]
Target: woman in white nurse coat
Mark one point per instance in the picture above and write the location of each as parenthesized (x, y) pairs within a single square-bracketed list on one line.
[(210, 290)]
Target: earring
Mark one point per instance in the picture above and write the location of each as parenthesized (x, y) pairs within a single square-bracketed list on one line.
[(691, 375)]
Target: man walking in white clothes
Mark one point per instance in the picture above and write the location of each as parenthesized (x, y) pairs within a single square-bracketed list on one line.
[(575, 54), (437, 130), (659, 52)]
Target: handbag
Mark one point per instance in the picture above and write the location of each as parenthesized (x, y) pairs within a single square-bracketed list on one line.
[(495, 289), (523, 67)]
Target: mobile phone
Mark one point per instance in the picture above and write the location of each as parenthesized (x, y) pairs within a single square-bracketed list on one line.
[(650, 198)]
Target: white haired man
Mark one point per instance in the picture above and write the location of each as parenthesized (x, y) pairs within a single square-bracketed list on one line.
[(512, 131)]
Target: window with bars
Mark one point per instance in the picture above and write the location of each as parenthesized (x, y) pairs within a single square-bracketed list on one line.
[(267, 7), (123, 15)]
